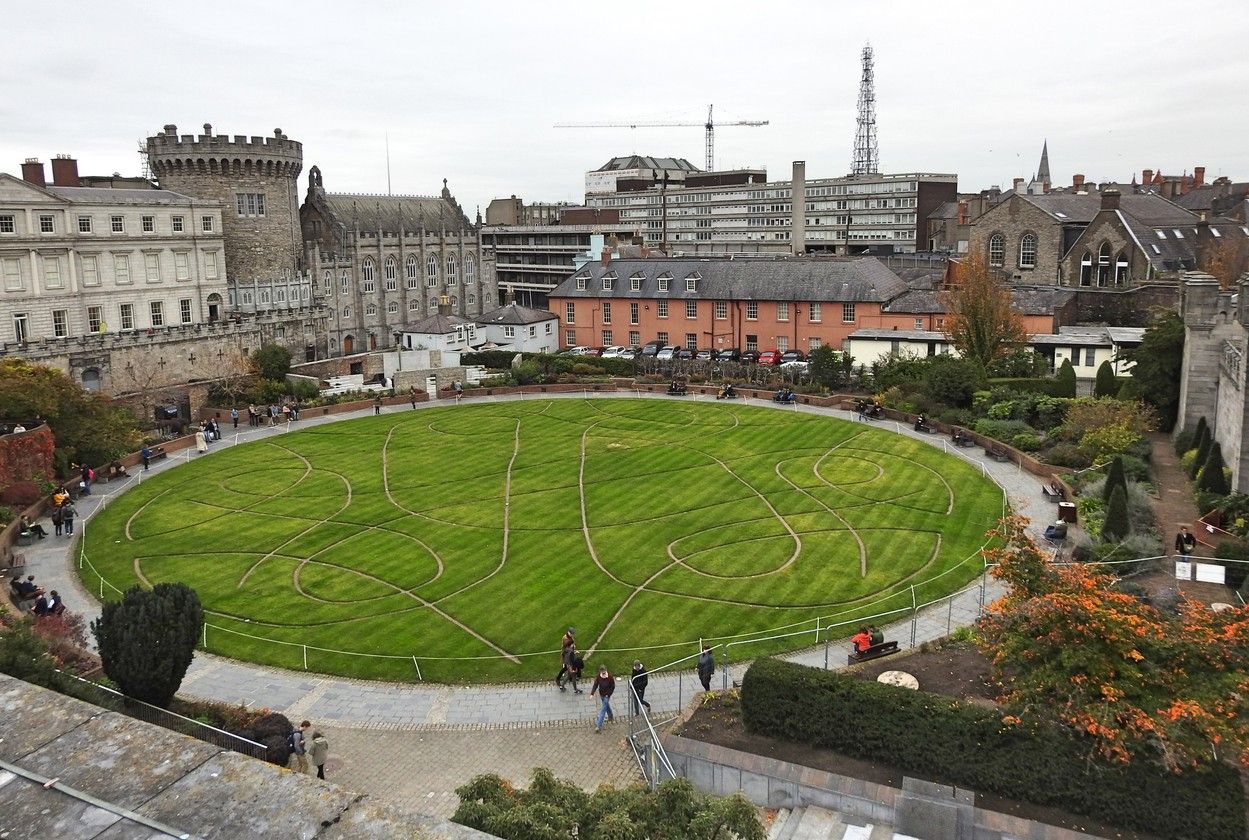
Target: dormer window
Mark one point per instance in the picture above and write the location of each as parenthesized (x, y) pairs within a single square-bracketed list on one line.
[(582, 280), (691, 282), (664, 280), (635, 281), (609, 281)]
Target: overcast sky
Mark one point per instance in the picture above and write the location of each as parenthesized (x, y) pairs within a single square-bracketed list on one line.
[(470, 91)]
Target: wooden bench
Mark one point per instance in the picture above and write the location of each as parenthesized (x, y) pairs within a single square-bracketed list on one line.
[(1052, 492), (873, 652), (158, 454), (996, 454), (104, 477)]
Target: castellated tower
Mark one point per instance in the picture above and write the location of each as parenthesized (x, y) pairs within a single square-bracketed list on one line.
[(254, 180)]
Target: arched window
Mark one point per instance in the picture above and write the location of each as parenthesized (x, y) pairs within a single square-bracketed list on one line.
[(997, 250), (472, 299), (1027, 251), (370, 310), (452, 274), (91, 379), (454, 301), (433, 305), (329, 282), (366, 276), (392, 274), (393, 307), (1103, 265), (431, 271), (346, 312), (412, 273), (470, 269), (264, 295), (344, 283), (333, 344), (1086, 269), (1121, 269), (414, 306)]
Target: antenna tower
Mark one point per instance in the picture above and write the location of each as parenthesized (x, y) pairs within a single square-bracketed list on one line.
[(866, 155), (145, 169)]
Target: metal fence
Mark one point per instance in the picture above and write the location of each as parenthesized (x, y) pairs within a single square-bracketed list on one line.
[(115, 701)]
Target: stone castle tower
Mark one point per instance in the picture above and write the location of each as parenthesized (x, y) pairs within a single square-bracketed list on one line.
[(254, 178)]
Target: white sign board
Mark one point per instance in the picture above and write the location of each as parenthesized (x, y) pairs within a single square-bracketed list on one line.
[(1211, 573), (1183, 570)]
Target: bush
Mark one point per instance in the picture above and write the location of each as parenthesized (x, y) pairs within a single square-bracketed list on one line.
[(21, 494), (527, 373), (1134, 469), (25, 655), (1203, 452), (1032, 384), (933, 736), (147, 639), (1025, 442), (493, 359), (1067, 455), (1116, 526), (952, 381), (1003, 430), (273, 361), (1105, 385), (1114, 478), (1212, 478), (1237, 572), (1065, 385), (1184, 441)]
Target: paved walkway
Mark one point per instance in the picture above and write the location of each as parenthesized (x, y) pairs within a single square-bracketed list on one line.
[(1173, 506), (341, 702)]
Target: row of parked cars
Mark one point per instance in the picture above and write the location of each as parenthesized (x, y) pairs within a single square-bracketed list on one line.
[(669, 352)]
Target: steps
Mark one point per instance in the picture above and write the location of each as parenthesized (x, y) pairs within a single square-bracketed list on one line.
[(807, 822)]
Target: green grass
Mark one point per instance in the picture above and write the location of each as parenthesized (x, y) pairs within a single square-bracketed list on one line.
[(385, 535)]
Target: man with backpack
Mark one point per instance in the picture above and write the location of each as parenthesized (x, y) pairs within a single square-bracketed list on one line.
[(299, 746)]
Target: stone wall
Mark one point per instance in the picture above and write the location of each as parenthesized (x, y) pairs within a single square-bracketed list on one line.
[(1013, 218), (1131, 307)]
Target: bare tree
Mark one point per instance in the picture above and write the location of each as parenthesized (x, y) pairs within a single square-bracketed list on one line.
[(979, 320), (1228, 260), (230, 373)]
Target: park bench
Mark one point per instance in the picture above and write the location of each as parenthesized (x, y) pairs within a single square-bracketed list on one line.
[(104, 476), (996, 454), (873, 652), (158, 453), (1052, 492)]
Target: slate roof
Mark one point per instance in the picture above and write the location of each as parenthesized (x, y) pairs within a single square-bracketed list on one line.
[(839, 279), (437, 324), (1039, 300), (916, 301), (1080, 209), (1203, 198), (876, 333), (107, 195), (945, 210), (647, 162), (388, 212), (514, 314)]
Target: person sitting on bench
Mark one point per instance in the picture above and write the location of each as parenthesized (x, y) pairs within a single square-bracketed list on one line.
[(861, 641), (25, 589), (727, 392), (878, 635), (1057, 531), (921, 425), (28, 528), (117, 470), (55, 605), (960, 437), (42, 607)]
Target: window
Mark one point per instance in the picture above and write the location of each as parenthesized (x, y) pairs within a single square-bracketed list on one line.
[(509, 332), (470, 269), (919, 323), (1027, 251), (21, 327), (607, 312), (722, 310), (157, 309), (581, 283), (411, 273), (609, 282), (635, 337), (633, 313), (181, 266), (661, 337), (178, 224), (7, 225), (151, 267), (370, 310), (414, 307), (847, 313), (1086, 269), (997, 250), (184, 310), (149, 224), (118, 224), (691, 283), (570, 338), (431, 271), (661, 309), (814, 343), (367, 286), (95, 319), (206, 224), (1121, 267), (121, 269), (47, 224), (127, 316), (691, 341), (664, 281), (635, 282), (344, 284), (346, 312), (814, 314), (210, 267), (452, 274), (607, 338), (52, 273), (249, 204), (392, 307), (84, 224), (570, 313), (782, 343), (1103, 265), (548, 327), (1089, 355), (752, 344), (691, 309), (782, 310), (391, 270), (60, 322), (752, 311)]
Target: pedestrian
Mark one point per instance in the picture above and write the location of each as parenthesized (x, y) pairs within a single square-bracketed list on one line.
[(234, 416), (286, 413), (319, 750), (566, 647), (575, 663), (604, 686), (638, 679), (1185, 542), (377, 405), (145, 455), (273, 415), (58, 518), (295, 410), (68, 511), (706, 667), (299, 746), (251, 415), (412, 395), (201, 441), (85, 475)]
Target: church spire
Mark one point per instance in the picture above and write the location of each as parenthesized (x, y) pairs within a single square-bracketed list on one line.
[(1043, 170)]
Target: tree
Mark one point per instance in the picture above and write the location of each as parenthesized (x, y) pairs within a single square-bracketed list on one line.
[(1065, 381), (147, 639), (1157, 363), (552, 808), (1131, 681), (1203, 428), (1227, 261), (1020, 363), (980, 321), (1106, 385), (1211, 478), (272, 361), (1114, 478), (952, 381), (830, 367), (1116, 526), (231, 373)]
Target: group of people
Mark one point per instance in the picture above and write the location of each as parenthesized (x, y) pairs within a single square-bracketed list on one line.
[(257, 415), (63, 512), (25, 591), (785, 395), (869, 409), (727, 392), (305, 743), (572, 661), (868, 636)]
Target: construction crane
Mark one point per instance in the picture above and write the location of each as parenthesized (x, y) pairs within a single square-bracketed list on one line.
[(710, 126)]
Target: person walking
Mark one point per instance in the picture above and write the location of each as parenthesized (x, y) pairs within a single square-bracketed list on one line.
[(604, 686), (706, 667), (58, 520), (201, 441), (377, 405), (145, 455), (1185, 542), (68, 512), (299, 746), (566, 646), (638, 679), (412, 396), (575, 663), (234, 417), (319, 749)]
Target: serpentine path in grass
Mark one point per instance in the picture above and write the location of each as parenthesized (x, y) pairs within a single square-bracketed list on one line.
[(462, 540)]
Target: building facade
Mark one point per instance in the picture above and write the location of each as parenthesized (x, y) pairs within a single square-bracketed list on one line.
[(382, 262), (514, 211), (531, 260), (520, 328)]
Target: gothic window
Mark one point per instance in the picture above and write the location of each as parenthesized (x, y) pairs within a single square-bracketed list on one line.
[(344, 284), (454, 301), (1103, 265), (414, 306), (431, 271), (1027, 251), (370, 310), (412, 273), (451, 270), (392, 308), (997, 250), (1086, 269), (1121, 269), (366, 276), (346, 312), (470, 269), (329, 282), (392, 274)]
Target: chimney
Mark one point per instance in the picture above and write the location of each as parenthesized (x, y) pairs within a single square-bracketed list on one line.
[(1077, 182), (32, 172), (1147, 175), (1204, 242), (1110, 200), (1016, 184), (444, 305), (798, 209), (1199, 175), (65, 171), (605, 257)]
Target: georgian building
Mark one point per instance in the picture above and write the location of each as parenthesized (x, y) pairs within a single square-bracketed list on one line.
[(382, 262)]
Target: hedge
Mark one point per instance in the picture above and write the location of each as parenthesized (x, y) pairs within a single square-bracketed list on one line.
[(493, 359), (958, 743), (1031, 384)]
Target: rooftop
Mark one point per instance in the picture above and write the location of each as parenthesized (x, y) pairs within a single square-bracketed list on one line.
[(647, 162), (513, 314)]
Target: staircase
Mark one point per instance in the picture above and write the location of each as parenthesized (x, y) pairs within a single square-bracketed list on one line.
[(812, 823)]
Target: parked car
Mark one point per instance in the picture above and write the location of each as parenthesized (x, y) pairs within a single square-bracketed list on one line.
[(579, 350), (796, 365), (750, 357), (685, 353), (612, 352), (733, 355), (705, 355), (666, 353), (770, 357), (627, 353), (594, 351), (651, 348), (793, 356)]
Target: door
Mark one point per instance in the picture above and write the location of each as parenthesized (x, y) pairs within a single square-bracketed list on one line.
[(349, 345)]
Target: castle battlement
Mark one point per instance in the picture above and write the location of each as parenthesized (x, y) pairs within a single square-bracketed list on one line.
[(170, 142), (277, 156)]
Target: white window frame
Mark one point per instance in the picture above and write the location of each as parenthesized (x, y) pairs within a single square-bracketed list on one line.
[(125, 316), (184, 311), (156, 313)]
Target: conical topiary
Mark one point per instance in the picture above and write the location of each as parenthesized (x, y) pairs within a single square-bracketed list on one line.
[(1211, 479), (1105, 385), (1114, 478), (1203, 452), (1201, 429), (1065, 384), (1115, 528)]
